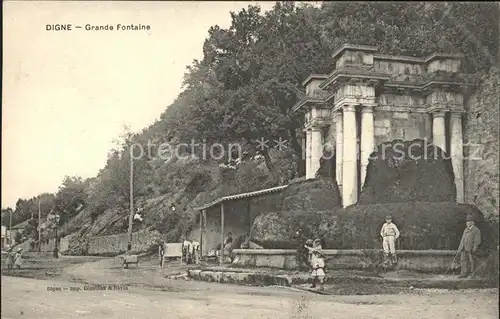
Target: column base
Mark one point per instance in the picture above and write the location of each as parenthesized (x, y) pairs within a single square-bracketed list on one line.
[(459, 186), (349, 187)]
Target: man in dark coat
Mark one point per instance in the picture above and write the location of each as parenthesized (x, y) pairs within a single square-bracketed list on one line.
[(471, 239)]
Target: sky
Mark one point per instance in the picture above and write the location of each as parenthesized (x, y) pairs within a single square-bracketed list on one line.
[(68, 94)]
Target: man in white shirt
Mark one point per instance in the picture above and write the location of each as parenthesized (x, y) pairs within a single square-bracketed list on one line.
[(195, 251), (389, 233), (186, 247)]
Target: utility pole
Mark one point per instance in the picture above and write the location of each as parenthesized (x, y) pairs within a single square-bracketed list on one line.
[(39, 227), (10, 228), (56, 250), (131, 216)]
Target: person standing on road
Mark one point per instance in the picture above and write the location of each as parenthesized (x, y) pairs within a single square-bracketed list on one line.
[(186, 248), (161, 252), (309, 244), (389, 233), (471, 239), (195, 251), (10, 258), (18, 258), (228, 246)]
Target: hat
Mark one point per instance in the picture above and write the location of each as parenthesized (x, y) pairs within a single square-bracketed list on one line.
[(317, 240), (309, 242), (388, 217), (470, 218)]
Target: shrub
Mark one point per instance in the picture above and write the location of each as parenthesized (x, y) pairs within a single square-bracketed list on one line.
[(311, 195), (400, 173)]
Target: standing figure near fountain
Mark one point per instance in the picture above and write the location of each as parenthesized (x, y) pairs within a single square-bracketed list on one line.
[(318, 264), (471, 239), (389, 233), (309, 246)]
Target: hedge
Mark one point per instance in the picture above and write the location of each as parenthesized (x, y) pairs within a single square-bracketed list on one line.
[(314, 194), (404, 171)]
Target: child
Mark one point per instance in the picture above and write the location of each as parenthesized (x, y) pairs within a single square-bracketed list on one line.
[(318, 264), (389, 233)]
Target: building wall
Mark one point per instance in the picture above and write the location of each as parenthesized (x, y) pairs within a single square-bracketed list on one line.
[(401, 71), (51, 244), (406, 126)]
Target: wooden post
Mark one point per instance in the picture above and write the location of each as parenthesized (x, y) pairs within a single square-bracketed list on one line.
[(131, 216), (39, 227), (202, 221), (10, 228), (249, 214), (221, 233)]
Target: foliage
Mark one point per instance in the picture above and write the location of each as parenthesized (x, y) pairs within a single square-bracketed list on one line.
[(18, 237), (6, 213), (402, 171), (31, 230), (417, 28), (71, 198)]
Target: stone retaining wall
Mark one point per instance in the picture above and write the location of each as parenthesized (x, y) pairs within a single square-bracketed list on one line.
[(116, 244), (435, 261), (51, 244)]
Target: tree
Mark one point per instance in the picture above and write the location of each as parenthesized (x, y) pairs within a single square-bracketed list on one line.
[(71, 197), (249, 79), (6, 215), (31, 230)]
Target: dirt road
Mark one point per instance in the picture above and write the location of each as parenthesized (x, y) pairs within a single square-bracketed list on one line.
[(168, 298), (30, 298)]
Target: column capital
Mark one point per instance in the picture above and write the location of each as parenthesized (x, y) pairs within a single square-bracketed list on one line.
[(349, 108), (366, 108), (456, 113), (315, 128), (438, 113), (336, 116)]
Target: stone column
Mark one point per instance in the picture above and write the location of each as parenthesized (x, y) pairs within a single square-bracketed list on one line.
[(316, 150), (303, 156), (367, 139), (456, 153), (349, 165), (339, 142), (438, 130), (308, 153)]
